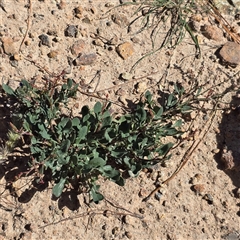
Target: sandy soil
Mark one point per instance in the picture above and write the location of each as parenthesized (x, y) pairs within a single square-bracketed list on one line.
[(201, 202)]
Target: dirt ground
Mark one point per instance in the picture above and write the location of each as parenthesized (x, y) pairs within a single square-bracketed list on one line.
[(201, 202)]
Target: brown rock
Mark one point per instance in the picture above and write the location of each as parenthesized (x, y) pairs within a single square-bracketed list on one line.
[(53, 54), (125, 50), (198, 188), (8, 45), (212, 32), (120, 19), (78, 47), (230, 53), (227, 159), (86, 59)]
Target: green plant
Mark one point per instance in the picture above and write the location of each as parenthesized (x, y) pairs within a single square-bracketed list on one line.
[(168, 16), (78, 149)]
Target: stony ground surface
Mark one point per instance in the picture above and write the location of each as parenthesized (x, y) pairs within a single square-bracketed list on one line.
[(90, 42)]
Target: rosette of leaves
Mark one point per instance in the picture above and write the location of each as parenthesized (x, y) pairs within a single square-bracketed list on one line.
[(81, 148)]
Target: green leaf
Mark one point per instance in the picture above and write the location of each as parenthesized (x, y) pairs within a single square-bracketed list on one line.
[(82, 132), (158, 112), (58, 188), (170, 99), (164, 149), (97, 107), (95, 163), (178, 123), (8, 89), (96, 196), (65, 145), (69, 83), (43, 132), (148, 96), (75, 122)]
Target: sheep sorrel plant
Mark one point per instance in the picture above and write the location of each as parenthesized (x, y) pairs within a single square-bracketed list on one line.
[(78, 149)]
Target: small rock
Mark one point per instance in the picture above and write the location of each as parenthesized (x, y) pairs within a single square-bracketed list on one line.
[(125, 50), (71, 31), (44, 40), (87, 20), (53, 54), (52, 32), (113, 41), (17, 57), (123, 100), (86, 59), (128, 235), (98, 42), (135, 40), (227, 159), (141, 210), (27, 42), (78, 47), (195, 26), (230, 53), (166, 163), (62, 5), (115, 230), (208, 197), (196, 17), (158, 196), (196, 178), (128, 220), (8, 45), (198, 188), (78, 10), (142, 192), (126, 76), (120, 19), (212, 32)]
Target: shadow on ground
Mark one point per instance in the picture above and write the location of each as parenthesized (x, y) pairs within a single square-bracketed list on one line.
[(228, 139)]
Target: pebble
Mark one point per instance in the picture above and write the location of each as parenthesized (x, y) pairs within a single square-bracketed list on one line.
[(98, 42), (158, 196), (123, 100), (71, 31), (128, 235), (86, 59), (78, 47), (208, 197), (78, 11), (120, 19), (126, 76), (8, 45), (196, 178), (212, 32), (167, 163), (198, 188), (17, 57), (143, 192), (62, 5), (135, 40), (230, 53), (44, 40), (113, 41), (53, 54), (125, 50), (227, 159)]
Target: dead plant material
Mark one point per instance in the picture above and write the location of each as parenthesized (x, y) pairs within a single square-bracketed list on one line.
[(223, 22), (28, 24), (187, 154)]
